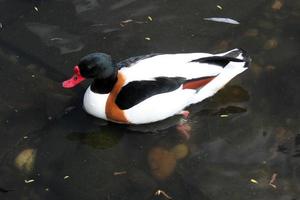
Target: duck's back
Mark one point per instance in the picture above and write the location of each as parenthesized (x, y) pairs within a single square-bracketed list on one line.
[(170, 65)]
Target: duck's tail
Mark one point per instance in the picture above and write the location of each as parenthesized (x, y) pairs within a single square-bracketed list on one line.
[(237, 62)]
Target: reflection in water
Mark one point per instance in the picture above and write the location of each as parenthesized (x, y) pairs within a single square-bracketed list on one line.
[(98, 139), (231, 94)]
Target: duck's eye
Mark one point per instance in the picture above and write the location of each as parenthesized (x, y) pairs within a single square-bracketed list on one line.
[(75, 78)]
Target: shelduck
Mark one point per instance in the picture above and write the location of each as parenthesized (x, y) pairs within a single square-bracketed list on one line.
[(153, 87)]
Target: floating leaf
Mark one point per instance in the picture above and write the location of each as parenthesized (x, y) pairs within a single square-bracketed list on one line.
[(253, 181), (29, 181), (223, 116), (126, 21), (120, 173), (161, 192)]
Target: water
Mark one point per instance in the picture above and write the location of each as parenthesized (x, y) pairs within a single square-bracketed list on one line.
[(47, 137)]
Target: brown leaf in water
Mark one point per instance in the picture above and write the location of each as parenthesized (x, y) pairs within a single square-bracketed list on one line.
[(162, 162), (120, 173), (180, 151), (25, 160), (277, 5)]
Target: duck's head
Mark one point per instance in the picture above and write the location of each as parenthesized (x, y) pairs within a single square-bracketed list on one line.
[(97, 66)]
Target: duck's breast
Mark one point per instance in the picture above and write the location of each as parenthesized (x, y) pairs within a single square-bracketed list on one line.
[(94, 103)]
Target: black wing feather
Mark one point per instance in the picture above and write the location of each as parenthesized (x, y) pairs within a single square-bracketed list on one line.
[(137, 91), (218, 60), (128, 62)]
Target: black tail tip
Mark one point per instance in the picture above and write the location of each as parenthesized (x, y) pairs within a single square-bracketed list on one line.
[(236, 52)]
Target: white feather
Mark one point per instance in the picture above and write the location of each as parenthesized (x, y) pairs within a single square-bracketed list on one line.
[(94, 103), (159, 107), (229, 72), (170, 65)]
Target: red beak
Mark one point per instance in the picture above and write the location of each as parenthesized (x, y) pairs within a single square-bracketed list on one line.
[(74, 80)]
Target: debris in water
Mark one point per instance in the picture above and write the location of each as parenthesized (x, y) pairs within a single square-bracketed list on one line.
[(56, 38), (66, 177), (147, 38), (69, 109), (273, 179), (150, 18), (36, 9), (125, 22), (220, 7), (223, 20), (223, 116), (120, 173), (29, 181), (47, 189), (1, 25), (159, 192), (25, 137), (253, 181)]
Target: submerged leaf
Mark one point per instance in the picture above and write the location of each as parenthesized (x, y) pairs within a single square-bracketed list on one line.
[(161, 162), (180, 151), (25, 160), (277, 5)]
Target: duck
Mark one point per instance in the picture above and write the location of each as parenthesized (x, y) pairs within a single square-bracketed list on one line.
[(150, 88)]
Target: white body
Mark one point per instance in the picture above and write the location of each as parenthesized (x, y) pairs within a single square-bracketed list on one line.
[(162, 106)]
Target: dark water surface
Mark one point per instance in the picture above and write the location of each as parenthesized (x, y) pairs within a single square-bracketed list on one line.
[(50, 149)]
